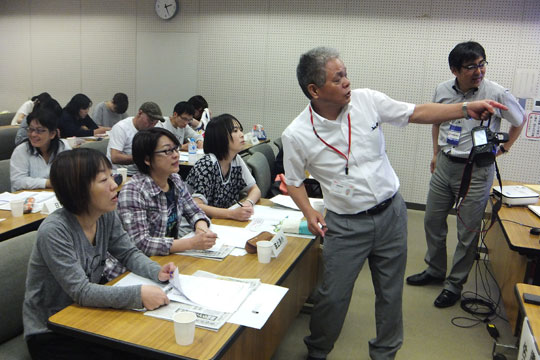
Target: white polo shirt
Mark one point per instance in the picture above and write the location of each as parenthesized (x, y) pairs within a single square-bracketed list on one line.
[(370, 174), (121, 138)]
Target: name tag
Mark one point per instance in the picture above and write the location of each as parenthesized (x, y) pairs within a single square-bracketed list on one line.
[(278, 241), (453, 135), (50, 206), (341, 188)]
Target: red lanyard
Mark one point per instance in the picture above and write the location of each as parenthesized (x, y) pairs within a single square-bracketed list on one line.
[(346, 157)]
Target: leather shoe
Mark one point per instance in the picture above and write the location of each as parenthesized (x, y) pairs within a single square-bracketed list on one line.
[(446, 299), (423, 279), (314, 358)]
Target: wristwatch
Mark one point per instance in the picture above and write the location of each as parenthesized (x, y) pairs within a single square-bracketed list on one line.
[(464, 109), (253, 204), (503, 150)]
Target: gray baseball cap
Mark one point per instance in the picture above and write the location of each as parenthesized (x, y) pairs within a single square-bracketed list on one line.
[(152, 110)]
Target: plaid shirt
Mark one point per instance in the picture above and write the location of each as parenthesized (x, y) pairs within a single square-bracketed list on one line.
[(142, 207)]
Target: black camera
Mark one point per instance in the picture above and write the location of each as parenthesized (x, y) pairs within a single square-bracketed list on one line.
[(485, 143)]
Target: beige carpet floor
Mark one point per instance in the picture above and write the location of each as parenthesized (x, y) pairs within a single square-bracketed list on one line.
[(429, 331)]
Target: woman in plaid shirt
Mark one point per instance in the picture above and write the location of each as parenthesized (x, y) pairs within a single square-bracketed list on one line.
[(153, 202)]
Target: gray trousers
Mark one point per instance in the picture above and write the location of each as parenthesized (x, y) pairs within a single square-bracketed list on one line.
[(349, 241), (443, 189)]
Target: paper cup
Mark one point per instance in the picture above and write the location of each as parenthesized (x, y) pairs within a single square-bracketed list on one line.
[(184, 327), (264, 251), (17, 207), (123, 172)]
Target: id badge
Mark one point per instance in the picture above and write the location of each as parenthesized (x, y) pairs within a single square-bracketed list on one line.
[(341, 187), (453, 135)]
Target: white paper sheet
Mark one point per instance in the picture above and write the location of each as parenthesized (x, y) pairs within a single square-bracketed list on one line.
[(228, 235), (288, 202), (213, 294), (258, 307), (266, 218)]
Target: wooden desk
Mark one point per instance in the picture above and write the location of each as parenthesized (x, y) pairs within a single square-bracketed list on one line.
[(14, 226), (295, 268), (529, 310), (513, 253)]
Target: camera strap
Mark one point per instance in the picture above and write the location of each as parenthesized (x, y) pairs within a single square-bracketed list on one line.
[(464, 188)]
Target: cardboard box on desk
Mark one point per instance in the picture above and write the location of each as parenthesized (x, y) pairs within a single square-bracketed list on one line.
[(516, 195)]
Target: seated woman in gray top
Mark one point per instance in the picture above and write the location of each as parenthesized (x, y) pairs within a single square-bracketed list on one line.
[(69, 255), (31, 161)]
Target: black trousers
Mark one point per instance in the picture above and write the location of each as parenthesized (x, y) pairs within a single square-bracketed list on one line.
[(59, 347)]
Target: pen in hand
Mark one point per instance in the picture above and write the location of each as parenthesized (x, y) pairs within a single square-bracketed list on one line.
[(239, 204)]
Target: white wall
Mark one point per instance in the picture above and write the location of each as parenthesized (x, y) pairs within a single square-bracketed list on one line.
[(247, 53)]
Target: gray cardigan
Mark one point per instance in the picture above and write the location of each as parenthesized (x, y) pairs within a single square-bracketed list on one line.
[(65, 268)]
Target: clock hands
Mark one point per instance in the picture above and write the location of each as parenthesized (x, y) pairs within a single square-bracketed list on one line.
[(167, 8)]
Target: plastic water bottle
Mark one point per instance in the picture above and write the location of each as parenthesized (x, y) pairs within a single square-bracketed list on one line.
[(192, 151)]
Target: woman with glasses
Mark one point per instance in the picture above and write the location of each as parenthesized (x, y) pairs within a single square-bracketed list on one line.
[(31, 160), (153, 202), (69, 256), (221, 175), (75, 120)]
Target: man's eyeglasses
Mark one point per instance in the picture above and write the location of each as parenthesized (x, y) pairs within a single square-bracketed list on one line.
[(168, 152), (38, 131), (473, 67)]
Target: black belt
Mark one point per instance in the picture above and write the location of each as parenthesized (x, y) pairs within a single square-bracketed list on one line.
[(378, 208), (455, 158)]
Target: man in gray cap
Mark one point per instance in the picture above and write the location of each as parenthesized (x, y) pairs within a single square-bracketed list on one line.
[(121, 136)]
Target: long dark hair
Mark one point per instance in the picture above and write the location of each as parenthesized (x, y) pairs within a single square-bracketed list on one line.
[(77, 102)]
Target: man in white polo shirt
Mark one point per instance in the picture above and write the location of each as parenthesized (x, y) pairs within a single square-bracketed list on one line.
[(338, 139), (121, 135)]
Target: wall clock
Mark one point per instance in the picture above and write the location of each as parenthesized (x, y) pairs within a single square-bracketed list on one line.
[(166, 9)]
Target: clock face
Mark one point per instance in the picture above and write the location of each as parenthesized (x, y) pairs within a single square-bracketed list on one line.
[(166, 9)]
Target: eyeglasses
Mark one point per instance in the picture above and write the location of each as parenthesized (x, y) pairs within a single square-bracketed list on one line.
[(38, 131), (168, 152), (473, 67)]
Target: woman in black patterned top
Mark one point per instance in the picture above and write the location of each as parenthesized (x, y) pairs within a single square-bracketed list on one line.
[(217, 179)]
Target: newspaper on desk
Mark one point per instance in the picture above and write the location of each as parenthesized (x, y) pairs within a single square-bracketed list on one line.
[(207, 318), (254, 310)]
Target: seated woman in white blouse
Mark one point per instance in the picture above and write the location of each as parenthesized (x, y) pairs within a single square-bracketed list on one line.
[(31, 160), (218, 178)]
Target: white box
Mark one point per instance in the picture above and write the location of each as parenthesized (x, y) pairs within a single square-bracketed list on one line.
[(516, 195), (528, 348)]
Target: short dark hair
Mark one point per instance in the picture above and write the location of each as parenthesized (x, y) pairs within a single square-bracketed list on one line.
[(145, 143), (198, 102), (218, 135), (49, 120), (184, 107), (121, 102), (311, 68), (77, 102), (72, 174), (463, 52)]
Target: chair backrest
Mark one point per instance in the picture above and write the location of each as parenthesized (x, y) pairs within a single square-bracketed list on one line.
[(258, 165), (7, 141), (100, 145), (278, 143), (14, 256), (267, 151), (5, 180), (5, 118)]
